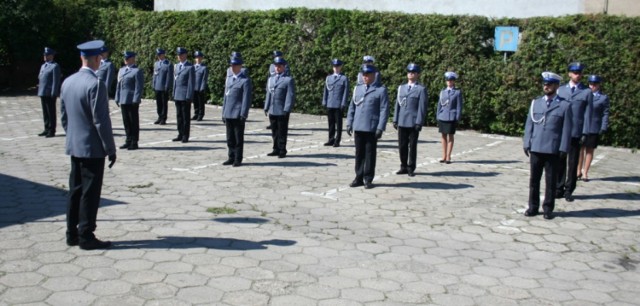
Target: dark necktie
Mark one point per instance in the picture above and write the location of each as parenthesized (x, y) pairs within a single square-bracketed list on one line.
[(573, 89), (409, 88), (548, 102)]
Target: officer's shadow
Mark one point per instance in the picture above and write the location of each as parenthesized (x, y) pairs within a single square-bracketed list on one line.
[(599, 213), (175, 242), (424, 185)]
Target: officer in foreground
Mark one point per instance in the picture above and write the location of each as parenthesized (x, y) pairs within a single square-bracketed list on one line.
[(85, 117), (367, 119), (547, 136)]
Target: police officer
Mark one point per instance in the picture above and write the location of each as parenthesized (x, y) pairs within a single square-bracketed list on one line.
[(334, 98), (598, 125), (369, 60), (408, 118), (235, 110), (48, 90), (129, 91), (367, 119), (199, 96), (184, 82), (107, 70), (278, 105), (448, 113), (85, 118), (272, 71), (162, 78), (547, 135), (581, 99)]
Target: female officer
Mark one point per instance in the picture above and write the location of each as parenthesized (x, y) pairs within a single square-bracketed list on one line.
[(448, 114), (599, 123)]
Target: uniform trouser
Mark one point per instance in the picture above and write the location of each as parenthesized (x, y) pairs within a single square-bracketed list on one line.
[(335, 124), (162, 104), (85, 186), (49, 114), (549, 163), (131, 121), (408, 145), (183, 113), (198, 104), (279, 131), (235, 139), (366, 146), (568, 169)]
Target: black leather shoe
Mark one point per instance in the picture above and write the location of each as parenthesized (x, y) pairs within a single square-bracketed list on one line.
[(133, 146), (329, 143), (185, 139), (568, 197), (237, 164), (411, 174), (282, 155), (44, 133), (368, 185), (530, 213), (227, 162), (163, 122), (95, 244), (73, 241), (337, 144), (548, 215), (274, 153), (402, 171), (199, 119), (157, 121), (194, 117), (356, 183), (125, 146), (177, 139), (50, 135)]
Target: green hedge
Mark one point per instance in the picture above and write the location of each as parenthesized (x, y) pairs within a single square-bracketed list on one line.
[(497, 94)]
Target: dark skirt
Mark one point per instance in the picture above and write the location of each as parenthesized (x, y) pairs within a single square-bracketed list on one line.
[(591, 141), (447, 127)]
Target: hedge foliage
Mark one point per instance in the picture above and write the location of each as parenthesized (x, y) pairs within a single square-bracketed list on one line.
[(497, 93)]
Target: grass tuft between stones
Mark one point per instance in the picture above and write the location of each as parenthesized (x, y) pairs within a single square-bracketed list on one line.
[(221, 210)]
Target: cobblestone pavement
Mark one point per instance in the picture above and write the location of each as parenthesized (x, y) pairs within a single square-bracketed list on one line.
[(291, 232)]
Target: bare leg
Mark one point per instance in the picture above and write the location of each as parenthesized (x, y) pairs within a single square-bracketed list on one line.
[(588, 158), (580, 162), (444, 146), (450, 146)]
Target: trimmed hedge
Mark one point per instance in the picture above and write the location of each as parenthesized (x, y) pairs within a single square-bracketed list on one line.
[(497, 94)]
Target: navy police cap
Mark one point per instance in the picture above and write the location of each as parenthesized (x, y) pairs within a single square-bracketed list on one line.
[(279, 61), (576, 67), (336, 62), (104, 49), (49, 51), (235, 60), (413, 68), (368, 68), (181, 50), (91, 48), (160, 51), (368, 59), (277, 53), (594, 78), (198, 54), (129, 54), (236, 54)]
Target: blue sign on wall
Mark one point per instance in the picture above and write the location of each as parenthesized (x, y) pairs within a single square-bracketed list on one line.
[(506, 39)]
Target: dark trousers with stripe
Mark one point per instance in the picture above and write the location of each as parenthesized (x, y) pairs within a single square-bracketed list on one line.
[(85, 187)]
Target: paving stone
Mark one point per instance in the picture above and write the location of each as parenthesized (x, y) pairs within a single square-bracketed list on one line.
[(70, 298), (199, 295)]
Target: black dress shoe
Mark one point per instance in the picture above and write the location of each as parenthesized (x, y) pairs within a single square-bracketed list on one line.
[(268, 127), (133, 146), (163, 122), (368, 185), (95, 244), (199, 119), (157, 121), (559, 195), (50, 135), (73, 241), (530, 213), (402, 171), (282, 155), (44, 133), (227, 162), (329, 143), (447, 162), (337, 144), (274, 153), (177, 139), (568, 197), (194, 117), (356, 183), (185, 139), (237, 164), (548, 215), (411, 174), (125, 145)]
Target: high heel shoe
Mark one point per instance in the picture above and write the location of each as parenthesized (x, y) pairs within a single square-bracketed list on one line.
[(579, 177), (585, 179)]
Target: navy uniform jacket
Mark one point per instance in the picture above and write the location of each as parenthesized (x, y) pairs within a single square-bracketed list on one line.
[(49, 80), (377, 81), (600, 116), (130, 85), (369, 109), (84, 108), (411, 106), (336, 91), (450, 105), (107, 73), (548, 129), (162, 75), (581, 107), (237, 97), (281, 95), (184, 82), (202, 76), (272, 70)]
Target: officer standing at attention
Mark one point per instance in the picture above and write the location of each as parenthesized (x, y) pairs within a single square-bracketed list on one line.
[(85, 117), (202, 76), (107, 70), (408, 118), (581, 99), (369, 60), (547, 134), (599, 124), (184, 82), (278, 105), (367, 119), (235, 110), (334, 98), (448, 114), (48, 90), (272, 71), (129, 91), (162, 78)]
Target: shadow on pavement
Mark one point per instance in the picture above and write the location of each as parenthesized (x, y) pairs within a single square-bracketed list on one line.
[(185, 148), (241, 220), (24, 201), (628, 196), (320, 155), (599, 213), (632, 179), (290, 164), (495, 162), (425, 185), (460, 173), (173, 242)]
